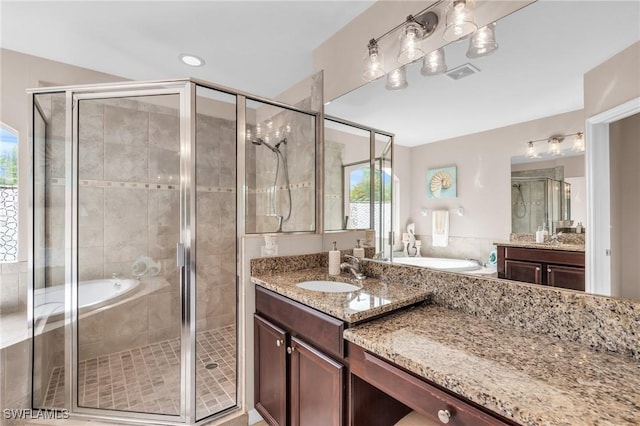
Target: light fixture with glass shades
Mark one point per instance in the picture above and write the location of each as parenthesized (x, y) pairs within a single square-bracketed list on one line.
[(414, 30), (531, 151), (460, 20), (373, 63), (578, 142), (460, 23), (397, 79), (483, 42), (554, 142), (410, 44), (434, 63)]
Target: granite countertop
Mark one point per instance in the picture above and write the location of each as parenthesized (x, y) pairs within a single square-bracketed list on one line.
[(374, 298), (543, 246), (530, 378)]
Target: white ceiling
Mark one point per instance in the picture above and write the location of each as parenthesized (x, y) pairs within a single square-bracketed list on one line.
[(261, 47), (264, 47), (545, 49)]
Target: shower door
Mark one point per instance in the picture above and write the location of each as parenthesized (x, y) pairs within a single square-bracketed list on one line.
[(128, 203)]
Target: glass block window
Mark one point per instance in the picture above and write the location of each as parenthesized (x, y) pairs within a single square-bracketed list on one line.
[(8, 194)]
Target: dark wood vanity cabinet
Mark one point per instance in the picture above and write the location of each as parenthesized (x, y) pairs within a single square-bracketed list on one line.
[(383, 393), (297, 383), (558, 268)]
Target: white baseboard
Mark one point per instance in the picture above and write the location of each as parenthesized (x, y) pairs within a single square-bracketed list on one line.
[(254, 417)]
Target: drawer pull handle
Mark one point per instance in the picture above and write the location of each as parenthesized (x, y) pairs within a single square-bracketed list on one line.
[(444, 416), (279, 342)]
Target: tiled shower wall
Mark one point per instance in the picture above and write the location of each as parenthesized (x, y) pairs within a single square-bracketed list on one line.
[(261, 169), (129, 206), (333, 205)]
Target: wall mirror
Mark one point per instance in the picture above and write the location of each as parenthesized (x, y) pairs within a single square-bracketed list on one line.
[(481, 122), (549, 190), (352, 199)]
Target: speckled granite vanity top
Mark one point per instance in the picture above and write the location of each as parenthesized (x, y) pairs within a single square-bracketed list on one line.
[(374, 298), (543, 246), (530, 378)]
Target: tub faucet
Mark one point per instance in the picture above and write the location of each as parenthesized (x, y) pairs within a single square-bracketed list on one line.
[(355, 267), (479, 262)]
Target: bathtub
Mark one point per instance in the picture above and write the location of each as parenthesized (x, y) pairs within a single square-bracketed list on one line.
[(439, 263), (91, 294)]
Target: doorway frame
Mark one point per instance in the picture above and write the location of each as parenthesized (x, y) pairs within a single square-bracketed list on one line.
[(598, 254)]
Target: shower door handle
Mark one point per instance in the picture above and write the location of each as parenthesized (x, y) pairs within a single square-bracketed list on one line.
[(180, 255)]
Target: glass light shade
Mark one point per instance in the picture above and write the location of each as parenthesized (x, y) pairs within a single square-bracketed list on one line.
[(554, 147), (397, 79), (460, 20), (483, 42), (373, 63), (434, 63), (531, 151), (578, 143), (410, 44)]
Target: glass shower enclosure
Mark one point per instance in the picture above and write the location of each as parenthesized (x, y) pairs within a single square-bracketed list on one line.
[(536, 201), (133, 249)]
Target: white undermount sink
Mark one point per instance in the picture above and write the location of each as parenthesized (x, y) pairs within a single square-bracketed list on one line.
[(329, 286)]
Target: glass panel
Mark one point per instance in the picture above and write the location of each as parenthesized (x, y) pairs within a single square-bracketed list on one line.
[(129, 311), (384, 183), (280, 169), (49, 152), (216, 290), (346, 168)]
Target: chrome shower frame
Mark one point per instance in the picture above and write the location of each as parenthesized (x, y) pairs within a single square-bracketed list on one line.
[(186, 90)]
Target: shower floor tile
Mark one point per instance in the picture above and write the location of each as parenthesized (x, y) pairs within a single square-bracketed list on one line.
[(147, 378)]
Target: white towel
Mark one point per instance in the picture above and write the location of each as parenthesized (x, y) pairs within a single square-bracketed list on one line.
[(440, 228)]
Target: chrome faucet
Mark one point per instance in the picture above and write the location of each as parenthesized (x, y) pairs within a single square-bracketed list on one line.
[(479, 262), (554, 238), (355, 267)]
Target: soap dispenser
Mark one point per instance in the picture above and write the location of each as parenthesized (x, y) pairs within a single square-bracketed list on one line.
[(358, 251), (334, 260)]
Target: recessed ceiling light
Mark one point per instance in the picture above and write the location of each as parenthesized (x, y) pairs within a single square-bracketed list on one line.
[(192, 60)]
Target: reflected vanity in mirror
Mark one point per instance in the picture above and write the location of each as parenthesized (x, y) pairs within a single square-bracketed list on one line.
[(483, 123)]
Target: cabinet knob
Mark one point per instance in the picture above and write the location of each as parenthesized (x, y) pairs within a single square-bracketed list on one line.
[(444, 416), (279, 342), (548, 269), (538, 269), (290, 350)]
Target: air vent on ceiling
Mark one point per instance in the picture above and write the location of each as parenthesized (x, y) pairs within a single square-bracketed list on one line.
[(462, 71)]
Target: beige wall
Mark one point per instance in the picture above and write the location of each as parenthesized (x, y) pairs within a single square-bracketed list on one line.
[(20, 72), (613, 82), (624, 148), (484, 175)]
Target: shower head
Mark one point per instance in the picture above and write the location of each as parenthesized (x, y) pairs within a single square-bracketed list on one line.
[(260, 141), (283, 141)]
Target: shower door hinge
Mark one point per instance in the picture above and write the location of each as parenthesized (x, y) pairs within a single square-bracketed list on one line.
[(180, 255)]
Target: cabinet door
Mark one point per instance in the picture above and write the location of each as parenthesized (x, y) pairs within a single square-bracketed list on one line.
[(530, 272), (317, 387), (565, 277), (270, 364)]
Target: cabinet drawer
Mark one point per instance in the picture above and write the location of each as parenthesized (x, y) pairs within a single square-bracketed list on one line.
[(415, 393), (571, 258), (317, 328)]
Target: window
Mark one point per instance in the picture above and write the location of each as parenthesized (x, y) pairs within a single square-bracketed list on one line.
[(8, 194)]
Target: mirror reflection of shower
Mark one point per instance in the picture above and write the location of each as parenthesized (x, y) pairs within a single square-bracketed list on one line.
[(520, 207), (280, 154)]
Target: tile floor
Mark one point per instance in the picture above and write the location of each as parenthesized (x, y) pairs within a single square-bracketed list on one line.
[(147, 379)]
